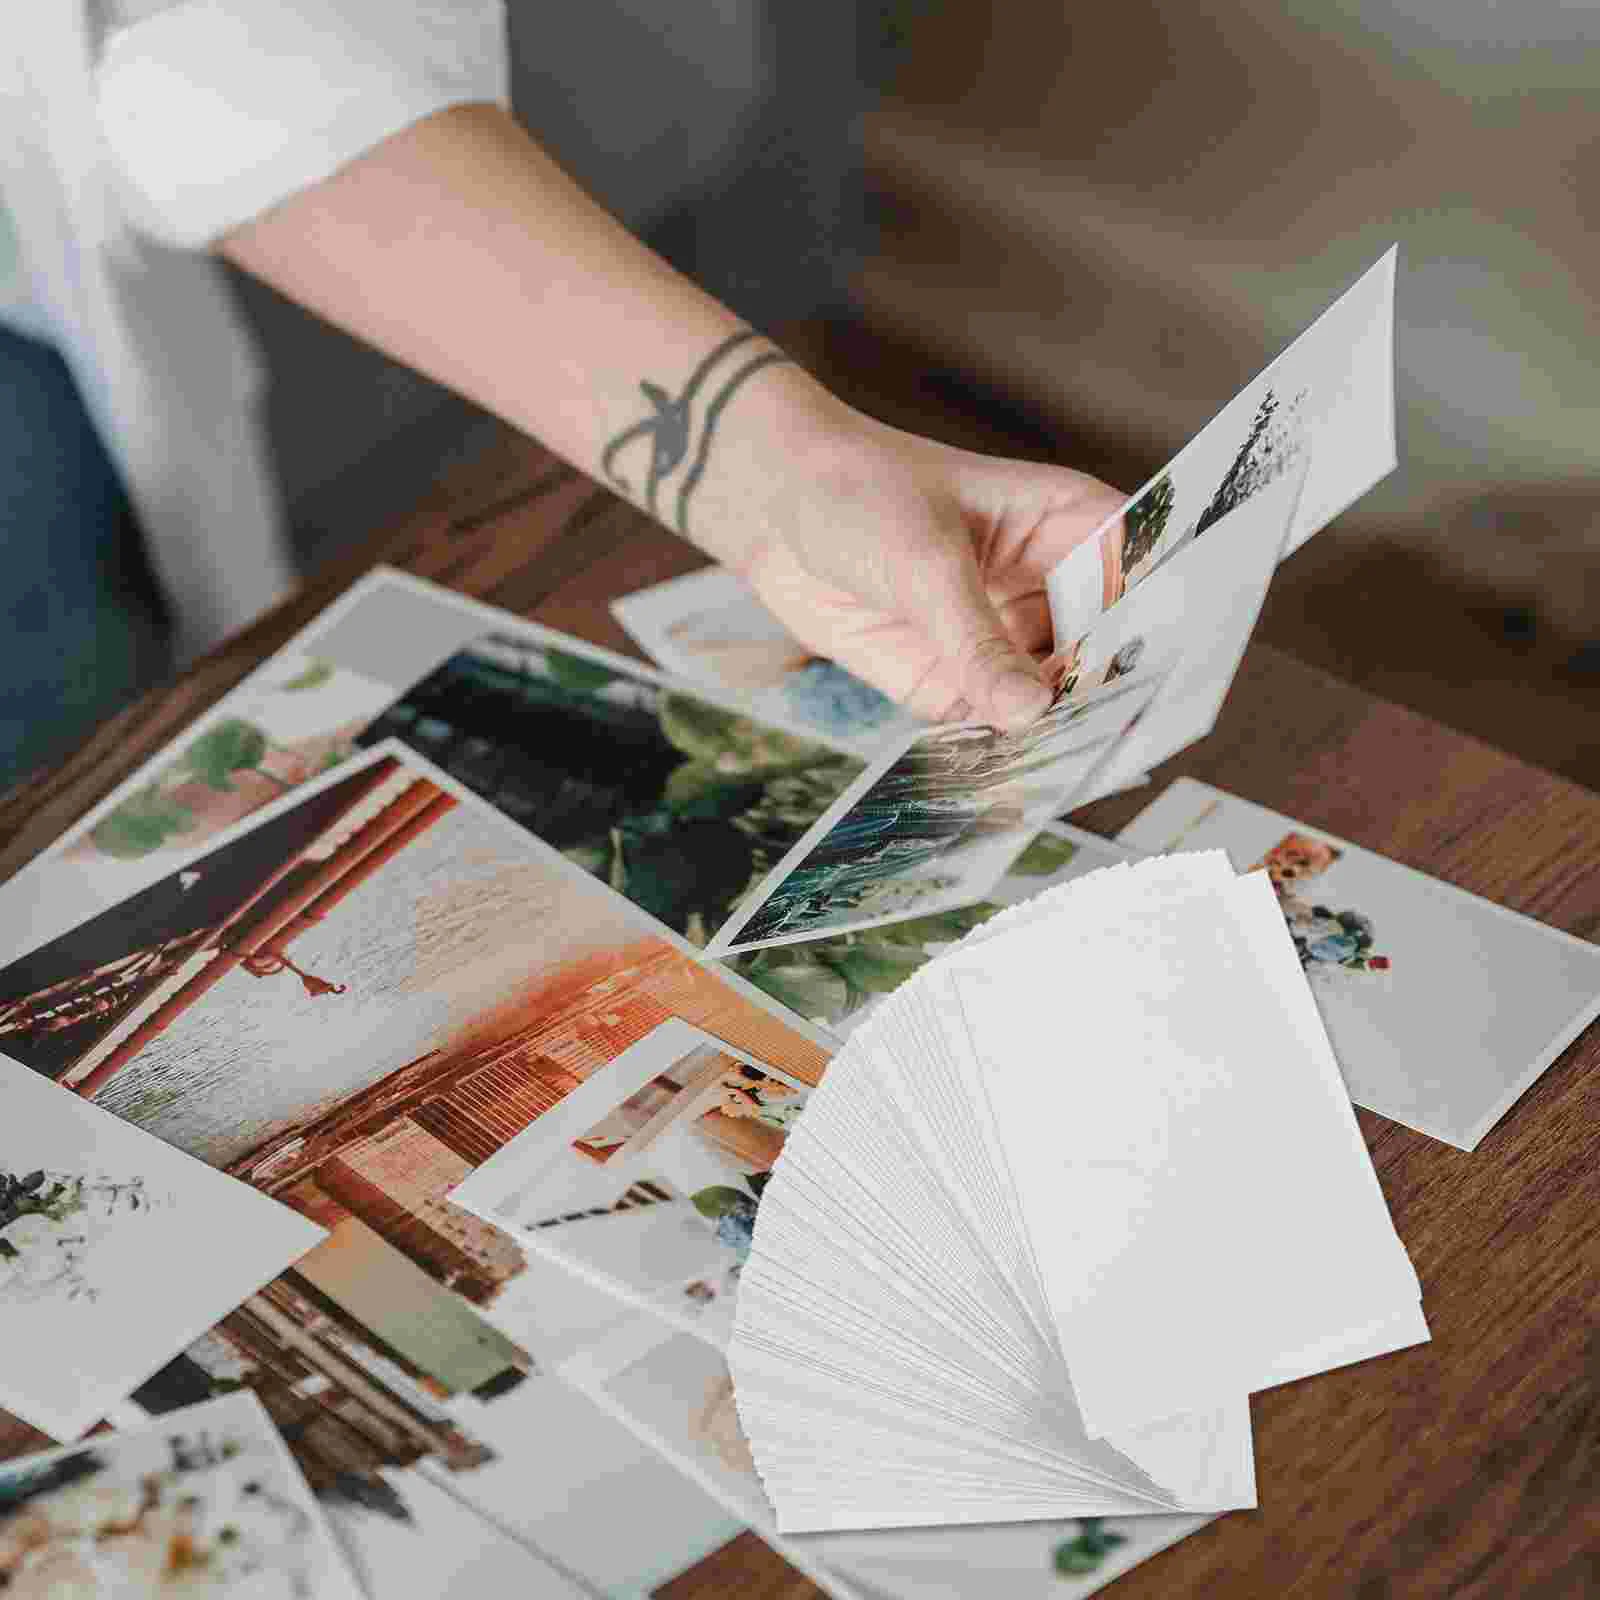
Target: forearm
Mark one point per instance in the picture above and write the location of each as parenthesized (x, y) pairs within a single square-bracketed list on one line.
[(461, 249)]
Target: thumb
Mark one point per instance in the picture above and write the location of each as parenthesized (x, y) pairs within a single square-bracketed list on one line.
[(1004, 686)]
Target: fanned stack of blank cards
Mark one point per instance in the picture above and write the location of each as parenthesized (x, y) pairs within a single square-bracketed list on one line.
[(1060, 1206)]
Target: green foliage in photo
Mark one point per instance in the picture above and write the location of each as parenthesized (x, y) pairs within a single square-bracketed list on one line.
[(145, 821), (1144, 522), (826, 980), (1074, 1557), (234, 745), (578, 673), (315, 675), (1045, 856)]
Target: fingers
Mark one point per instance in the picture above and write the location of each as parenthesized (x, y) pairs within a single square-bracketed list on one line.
[(1004, 686)]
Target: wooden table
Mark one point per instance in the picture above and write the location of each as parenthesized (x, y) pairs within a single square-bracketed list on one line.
[(1469, 1466)]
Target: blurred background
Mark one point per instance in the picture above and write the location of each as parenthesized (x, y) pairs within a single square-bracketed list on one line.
[(1072, 233)]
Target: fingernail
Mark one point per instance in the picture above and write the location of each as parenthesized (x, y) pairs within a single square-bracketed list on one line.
[(1018, 698)]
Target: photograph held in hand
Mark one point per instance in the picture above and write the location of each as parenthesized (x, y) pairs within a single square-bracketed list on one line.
[(936, 825)]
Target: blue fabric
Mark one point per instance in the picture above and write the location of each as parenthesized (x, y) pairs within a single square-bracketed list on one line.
[(82, 629)]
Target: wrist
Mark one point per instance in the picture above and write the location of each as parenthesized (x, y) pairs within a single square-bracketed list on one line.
[(785, 439)]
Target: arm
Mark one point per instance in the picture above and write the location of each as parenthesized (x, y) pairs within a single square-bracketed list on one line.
[(461, 249)]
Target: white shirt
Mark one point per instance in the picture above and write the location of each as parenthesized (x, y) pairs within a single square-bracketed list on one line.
[(133, 134)]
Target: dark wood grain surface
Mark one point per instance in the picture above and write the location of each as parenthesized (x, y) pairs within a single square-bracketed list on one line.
[(1467, 1467)]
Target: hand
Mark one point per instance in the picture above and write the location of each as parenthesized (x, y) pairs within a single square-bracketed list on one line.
[(921, 568)]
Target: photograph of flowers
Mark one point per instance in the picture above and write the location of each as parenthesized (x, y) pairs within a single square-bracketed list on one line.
[(646, 1179), (1402, 965), (709, 627), (206, 1503), (101, 1227)]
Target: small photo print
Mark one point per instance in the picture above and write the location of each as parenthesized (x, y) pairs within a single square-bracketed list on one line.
[(1217, 473), (205, 1503), (1408, 972), (101, 1231), (1330, 393), (648, 1178), (298, 717), (1191, 623), (710, 627), (1214, 477), (678, 803), (939, 825), (838, 979)]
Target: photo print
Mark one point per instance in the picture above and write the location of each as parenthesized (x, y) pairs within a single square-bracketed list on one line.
[(677, 1395), (709, 627), (206, 1503), (935, 827), (101, 1228), (349, 1005), (836, 980), (297, 717), (678, 803), (1406, 970), (646, 1180), (1190, 623), (1326, 403)]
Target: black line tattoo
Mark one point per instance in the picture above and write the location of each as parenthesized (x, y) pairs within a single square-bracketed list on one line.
[(676, 424)]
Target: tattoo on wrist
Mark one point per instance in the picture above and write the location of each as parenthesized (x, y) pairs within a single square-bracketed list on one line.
[(680, 431)]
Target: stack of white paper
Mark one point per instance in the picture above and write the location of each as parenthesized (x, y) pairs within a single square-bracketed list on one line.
[(1060, 1205)]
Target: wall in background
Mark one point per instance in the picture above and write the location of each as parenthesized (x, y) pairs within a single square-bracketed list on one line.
[(1121, 213)]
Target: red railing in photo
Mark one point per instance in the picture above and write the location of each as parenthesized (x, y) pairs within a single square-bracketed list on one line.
[(284, 908)]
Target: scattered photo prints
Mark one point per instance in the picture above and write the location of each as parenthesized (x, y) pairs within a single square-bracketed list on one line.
[(114, 1251), (936, 826), (349, 1004), (647, 1178), (679, 799), (1443, 1008), (1329, 397), (206, 1503), (416, 1480), (675, 1393), (709, 627)]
